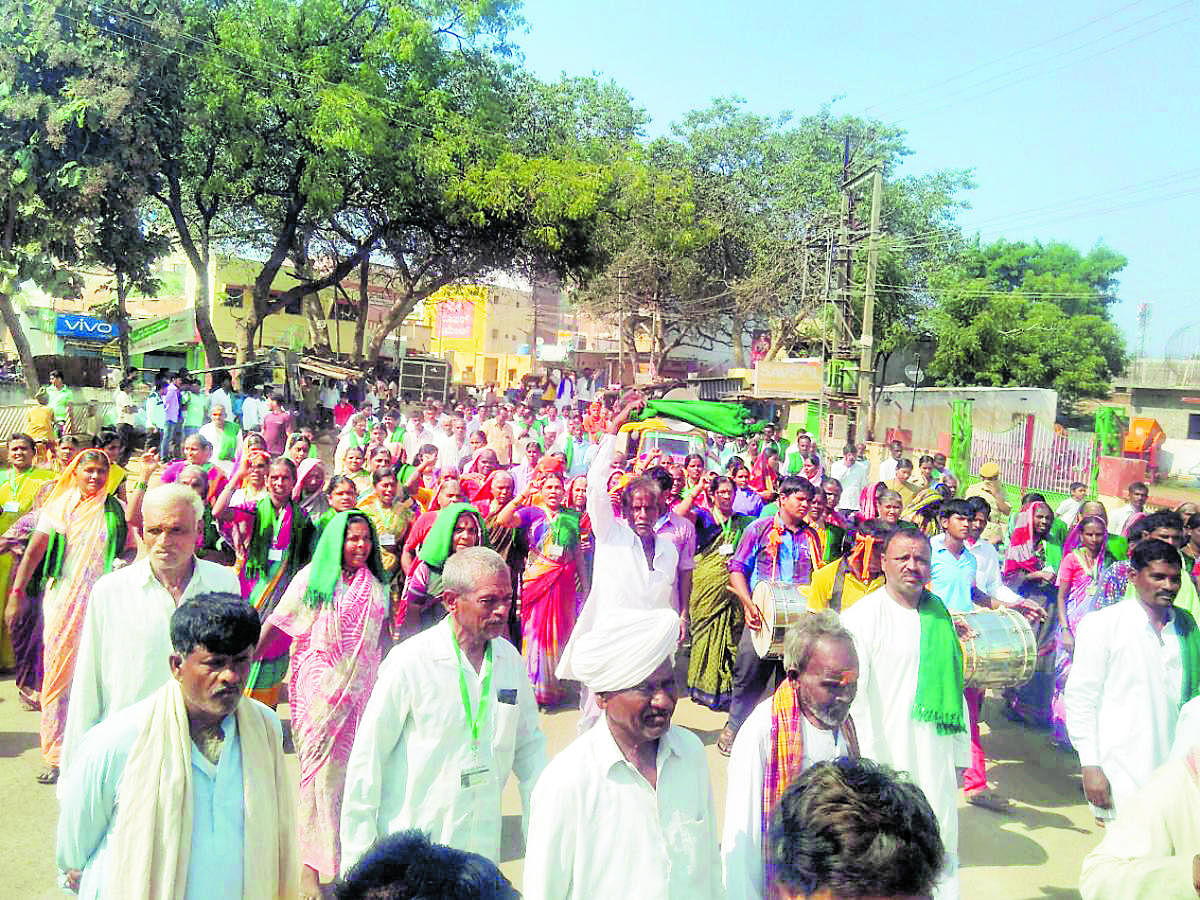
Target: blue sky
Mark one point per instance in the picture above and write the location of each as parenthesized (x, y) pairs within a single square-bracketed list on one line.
[(1080, 120)]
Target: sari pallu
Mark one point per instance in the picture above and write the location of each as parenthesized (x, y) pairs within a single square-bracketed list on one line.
[(86, 534), (716, 618), (27, 631), (1028, 553), (17, 493), (272, 547), (549, 599), (1082, 598), (335, 654)]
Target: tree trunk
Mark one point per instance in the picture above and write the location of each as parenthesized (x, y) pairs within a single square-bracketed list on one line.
[(364, 307), (208, 338), (122, 323), (24, 352), (246, 329), (318, 327), (737, 328)]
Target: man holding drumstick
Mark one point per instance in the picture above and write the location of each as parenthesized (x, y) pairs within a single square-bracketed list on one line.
[(781, 548)]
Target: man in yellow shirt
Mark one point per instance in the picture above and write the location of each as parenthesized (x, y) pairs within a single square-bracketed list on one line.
[(840, 584)]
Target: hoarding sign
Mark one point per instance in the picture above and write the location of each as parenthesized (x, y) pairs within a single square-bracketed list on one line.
[(84, 328), (456, 319), (178, 328)]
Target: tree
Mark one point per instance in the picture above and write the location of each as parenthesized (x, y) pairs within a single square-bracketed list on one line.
[(69, 146), (1028, 314)]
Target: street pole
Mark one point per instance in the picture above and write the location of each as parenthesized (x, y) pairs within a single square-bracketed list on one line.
[(620, 330), (866, 364)]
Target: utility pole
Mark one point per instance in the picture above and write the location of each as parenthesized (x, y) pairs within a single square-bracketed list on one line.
[(620, 329), (866, 363)]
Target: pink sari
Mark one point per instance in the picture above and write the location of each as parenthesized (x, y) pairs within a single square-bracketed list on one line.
[(334, 660)]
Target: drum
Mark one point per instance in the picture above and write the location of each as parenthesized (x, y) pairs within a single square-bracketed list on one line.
[(1003, 651), (781, 605)]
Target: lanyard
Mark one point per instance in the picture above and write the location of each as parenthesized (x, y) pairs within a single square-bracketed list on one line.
[(14, 487), (473, 722)]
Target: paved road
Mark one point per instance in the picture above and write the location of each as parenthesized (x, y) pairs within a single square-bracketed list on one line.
[(1033, 852)]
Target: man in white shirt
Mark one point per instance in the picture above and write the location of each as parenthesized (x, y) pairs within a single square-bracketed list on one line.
[(1118, 523), (1132, 670), (887, 468), (627, 809), (186, 793), (634, 566), (809, 713), (126, 640), (221, 397), (585, 389), (253, 409), (1069, 508), (901, 722), (851, 473), (451, 715)]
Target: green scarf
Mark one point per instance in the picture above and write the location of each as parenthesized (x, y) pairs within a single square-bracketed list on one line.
[(939, 698), (729, 419), (569, 452), (436, 549), (564, 531), (1189, 653), (265, 523), (326, 566), (117, 533), (229, 436), (397, 435)]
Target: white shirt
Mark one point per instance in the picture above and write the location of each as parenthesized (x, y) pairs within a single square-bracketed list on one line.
[(853, 480), (621, 576), (887, 469), (123, 400), (253, 410), (1068, 510), (598, 829), (219, 397), (1121, 701), (741, 838), (1120, 519), (888, 639), (90, 795), (987, 573), (329, 397), (413, 745), (125, 642)]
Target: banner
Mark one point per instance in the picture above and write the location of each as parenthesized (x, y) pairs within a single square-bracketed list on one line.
[(179, 328), (84, 328), (455, 319)]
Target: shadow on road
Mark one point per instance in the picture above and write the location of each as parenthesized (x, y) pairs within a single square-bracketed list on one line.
[(14, 743)]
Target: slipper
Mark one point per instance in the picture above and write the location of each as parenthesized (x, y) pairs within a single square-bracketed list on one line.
[(48, 775), (725, 741), (988, 799)]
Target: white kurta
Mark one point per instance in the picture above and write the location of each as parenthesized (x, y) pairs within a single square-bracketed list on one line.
[(126, 640), (1147, 853), (888, 639), (987, 573), (621, 578), (741, 837), (413, 744), (1121, 702), (598, 829)]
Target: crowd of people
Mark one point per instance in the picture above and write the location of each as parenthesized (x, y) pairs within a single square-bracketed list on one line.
[(168, 589)]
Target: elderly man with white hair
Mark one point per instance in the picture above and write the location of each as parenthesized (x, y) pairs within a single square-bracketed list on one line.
[(125, 641), (806, 721), (627, 809), (452, 713)]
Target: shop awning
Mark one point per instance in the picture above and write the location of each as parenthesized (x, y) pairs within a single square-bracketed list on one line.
[(327, 369)]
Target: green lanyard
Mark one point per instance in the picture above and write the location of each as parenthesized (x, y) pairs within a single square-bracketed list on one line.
[(14, 488), (473, 722)]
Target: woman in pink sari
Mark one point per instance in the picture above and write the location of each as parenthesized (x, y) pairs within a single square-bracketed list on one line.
[(80, 534), (550, 589), (331, 616)]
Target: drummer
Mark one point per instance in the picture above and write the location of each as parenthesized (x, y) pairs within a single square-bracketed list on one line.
[(839, 584), (779, 548), (952, 580)]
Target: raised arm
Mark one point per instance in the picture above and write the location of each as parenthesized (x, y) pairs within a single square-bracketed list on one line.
[(221, 504), (599, 507)]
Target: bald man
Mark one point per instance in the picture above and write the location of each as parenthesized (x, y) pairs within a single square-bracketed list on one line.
[(126, 639)]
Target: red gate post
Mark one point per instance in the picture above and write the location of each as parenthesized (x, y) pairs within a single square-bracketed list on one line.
[(1027, 453)]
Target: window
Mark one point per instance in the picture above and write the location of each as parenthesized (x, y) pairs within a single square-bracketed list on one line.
[(495, 333), (344, 310), (233, 296), (1194, 427)]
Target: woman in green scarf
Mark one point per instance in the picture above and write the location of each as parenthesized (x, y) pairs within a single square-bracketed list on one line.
[(272, 539), (457, 526), (329, 622)]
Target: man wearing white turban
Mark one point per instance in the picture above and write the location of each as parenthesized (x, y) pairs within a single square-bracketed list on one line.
[(626, 810)]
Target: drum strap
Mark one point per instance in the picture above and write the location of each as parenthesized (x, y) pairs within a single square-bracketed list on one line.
[(839, 584)]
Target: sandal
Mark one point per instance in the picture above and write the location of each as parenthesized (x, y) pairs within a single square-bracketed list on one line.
[(988, 799), (48, 775), (725, 741)]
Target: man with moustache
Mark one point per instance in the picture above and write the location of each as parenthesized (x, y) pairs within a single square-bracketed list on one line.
[(185, 794), (909, 711), (452, 713), (806, 721), (1135, 664), (626, 810)]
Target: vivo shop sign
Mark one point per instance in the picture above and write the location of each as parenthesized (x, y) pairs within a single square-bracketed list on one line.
[(85, 328)]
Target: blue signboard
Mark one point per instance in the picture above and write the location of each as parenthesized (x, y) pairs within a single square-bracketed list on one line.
[(84, 328)]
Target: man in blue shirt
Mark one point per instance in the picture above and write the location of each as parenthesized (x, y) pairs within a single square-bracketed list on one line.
[(123, 828), (952, 580)]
